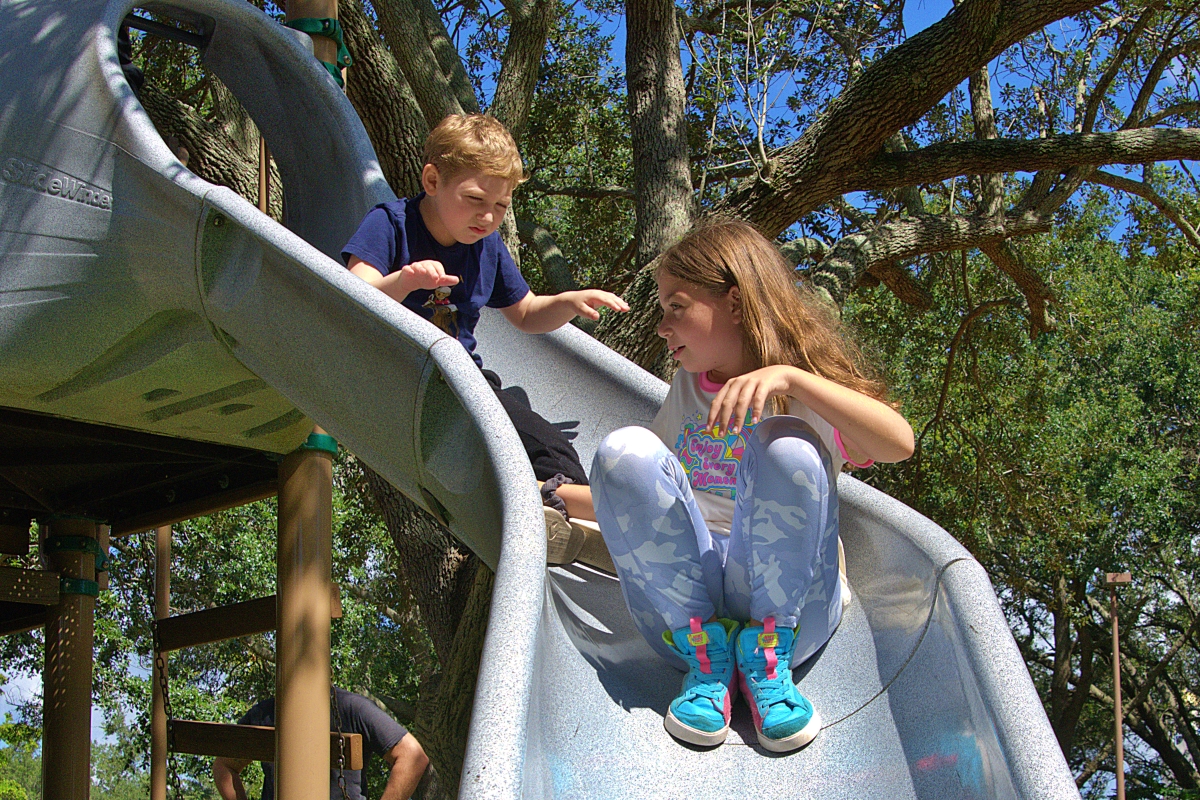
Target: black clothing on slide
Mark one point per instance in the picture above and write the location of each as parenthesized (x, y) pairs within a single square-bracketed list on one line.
[(549, 450)]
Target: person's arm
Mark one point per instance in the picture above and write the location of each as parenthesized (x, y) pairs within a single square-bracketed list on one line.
[(227, 775), (578, 500), (406, 763), (869, 428), (399, 284), (542, 313)]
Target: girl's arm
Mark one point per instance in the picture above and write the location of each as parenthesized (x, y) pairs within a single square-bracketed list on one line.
[(869, 427)]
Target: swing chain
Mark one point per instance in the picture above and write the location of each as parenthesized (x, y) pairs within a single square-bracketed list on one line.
[(160, 664), (341, 761)]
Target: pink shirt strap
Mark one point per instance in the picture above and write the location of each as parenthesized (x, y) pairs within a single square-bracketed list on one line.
[(837, 437)]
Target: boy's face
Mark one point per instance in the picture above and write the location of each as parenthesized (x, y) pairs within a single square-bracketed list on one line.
[(465, 207)]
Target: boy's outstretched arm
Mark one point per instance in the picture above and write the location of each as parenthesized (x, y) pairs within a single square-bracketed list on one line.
[(398, 284), (541, 313)]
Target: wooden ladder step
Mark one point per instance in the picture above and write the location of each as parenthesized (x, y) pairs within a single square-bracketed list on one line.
[(227, 622), (250, 742)]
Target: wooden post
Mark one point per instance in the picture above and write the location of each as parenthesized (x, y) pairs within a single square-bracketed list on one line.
[(304, 561), (324, 48), (158, 713), (67, 676), (1112, 580)]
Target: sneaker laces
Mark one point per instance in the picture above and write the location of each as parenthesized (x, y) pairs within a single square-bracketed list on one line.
[(772, 692), (713, 691)]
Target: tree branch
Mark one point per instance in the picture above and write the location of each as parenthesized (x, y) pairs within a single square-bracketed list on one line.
[(384, 102), (941, 161), (587, 192), (527, 32), (1147, 193), (891, 94), (904, 239), (1037, 293), (555, 269), (404, 30), (1114, 67)]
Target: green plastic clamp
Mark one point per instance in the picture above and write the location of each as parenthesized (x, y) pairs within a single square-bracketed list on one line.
[(78, 586), (329, 28), (77, 544), (321, 442)]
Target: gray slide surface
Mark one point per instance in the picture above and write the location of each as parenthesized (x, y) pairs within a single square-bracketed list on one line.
[(134, 294)]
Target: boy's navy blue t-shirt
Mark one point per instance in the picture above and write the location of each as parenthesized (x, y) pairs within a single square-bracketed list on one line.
[(393, 235)]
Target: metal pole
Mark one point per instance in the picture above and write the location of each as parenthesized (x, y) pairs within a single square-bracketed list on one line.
[(158, 713), (304, 559), (67, 676), (1112, 580)]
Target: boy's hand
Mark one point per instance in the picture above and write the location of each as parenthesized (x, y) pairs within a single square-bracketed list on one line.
[(587, 301), (424, 275)]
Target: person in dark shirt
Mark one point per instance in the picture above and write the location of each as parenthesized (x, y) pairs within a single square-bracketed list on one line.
[(440, 255), (382, 736)]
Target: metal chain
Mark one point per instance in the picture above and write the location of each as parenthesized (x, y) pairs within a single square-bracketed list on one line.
[(160, 664), (337, 720)]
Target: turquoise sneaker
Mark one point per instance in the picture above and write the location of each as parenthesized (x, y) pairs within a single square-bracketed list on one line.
[(700, 714), (783, 717)]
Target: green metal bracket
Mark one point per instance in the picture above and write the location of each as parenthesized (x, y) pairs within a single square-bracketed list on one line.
[(77, 544), (321, 442), (329, 28), (78, 586)]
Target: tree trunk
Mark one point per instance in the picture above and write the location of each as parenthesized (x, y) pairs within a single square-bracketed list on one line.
[(527, 34), (658, 127), (384, 102)]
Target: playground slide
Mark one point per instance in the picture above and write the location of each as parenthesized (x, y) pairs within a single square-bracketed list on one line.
[(124, 276)]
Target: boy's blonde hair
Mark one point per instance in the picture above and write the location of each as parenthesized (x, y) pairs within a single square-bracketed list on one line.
[(782, 322), (480, 142)]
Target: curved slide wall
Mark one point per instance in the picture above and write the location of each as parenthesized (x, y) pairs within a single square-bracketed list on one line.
[(148, 274)]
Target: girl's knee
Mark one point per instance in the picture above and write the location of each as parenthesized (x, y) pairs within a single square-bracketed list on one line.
[(630, 441), (630, 450), (788, 443)]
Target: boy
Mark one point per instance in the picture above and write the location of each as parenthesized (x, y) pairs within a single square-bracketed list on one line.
[(440, 254)]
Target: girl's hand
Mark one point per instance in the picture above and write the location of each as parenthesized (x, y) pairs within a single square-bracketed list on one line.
[(748, 392), (587, 301)]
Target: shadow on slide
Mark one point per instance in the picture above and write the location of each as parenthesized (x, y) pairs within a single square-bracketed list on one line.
[(134, 294)]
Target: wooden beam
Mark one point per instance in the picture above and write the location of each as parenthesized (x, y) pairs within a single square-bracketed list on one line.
[(216, 624), (28, 586), (248, 742), (162, 517), (226, 622), (23, 622)]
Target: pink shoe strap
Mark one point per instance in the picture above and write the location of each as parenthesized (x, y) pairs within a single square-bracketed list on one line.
[(768, 639), (698, 639)]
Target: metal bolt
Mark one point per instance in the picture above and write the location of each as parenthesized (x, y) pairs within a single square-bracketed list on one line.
[(218, 221)]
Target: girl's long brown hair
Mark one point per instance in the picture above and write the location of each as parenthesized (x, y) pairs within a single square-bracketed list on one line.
[(783, 322)]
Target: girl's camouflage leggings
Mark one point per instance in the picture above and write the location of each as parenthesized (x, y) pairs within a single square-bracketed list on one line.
[(780, 559)]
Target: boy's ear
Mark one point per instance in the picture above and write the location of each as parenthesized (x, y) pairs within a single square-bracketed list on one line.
[(431, 179)]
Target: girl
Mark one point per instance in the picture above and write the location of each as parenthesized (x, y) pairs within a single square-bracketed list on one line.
[(722, 519)]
